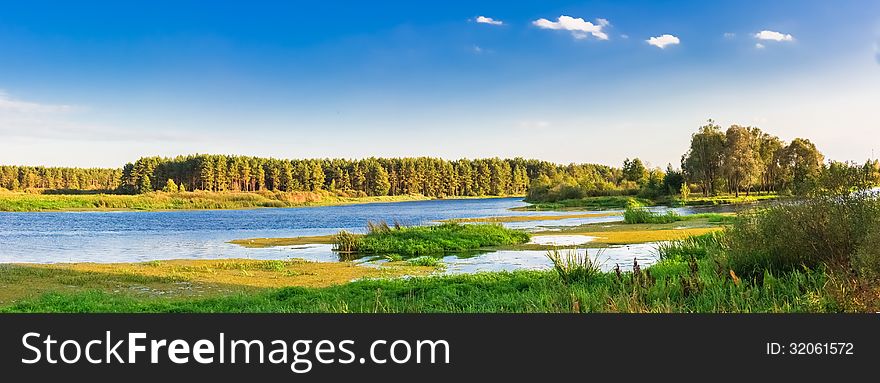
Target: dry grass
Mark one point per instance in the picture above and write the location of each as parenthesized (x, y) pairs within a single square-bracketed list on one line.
[(292, 241), (528, 218), (186, 278)]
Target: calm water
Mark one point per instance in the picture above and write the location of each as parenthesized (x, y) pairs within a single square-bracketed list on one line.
[(144, 236)]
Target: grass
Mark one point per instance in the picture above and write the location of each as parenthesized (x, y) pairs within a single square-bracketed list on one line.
[(25, 202), (572, 266), (425, 260), (641, 215), (670, 286), (270, 242), (724, 199), (185, 278), (430, 240), (528, 218), (620, 233), (697, 246), (637, 214), (620, 202), (588, 203)]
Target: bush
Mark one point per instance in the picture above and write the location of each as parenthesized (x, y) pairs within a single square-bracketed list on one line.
[(866, 260), (807, 233)]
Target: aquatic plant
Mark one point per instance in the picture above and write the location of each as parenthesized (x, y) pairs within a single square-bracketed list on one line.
[(697, 246), (429, 240), (571, 266)]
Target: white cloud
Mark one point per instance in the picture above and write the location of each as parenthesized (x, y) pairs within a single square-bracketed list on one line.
[(663, 41), (773, 36), (624, 36), (759, 46), (729, 35), (579, 28), (477, 49), (10, 104), (488, 20)]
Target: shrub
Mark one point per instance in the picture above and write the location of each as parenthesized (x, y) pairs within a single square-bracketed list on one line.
[(807, 233), (866, 259)]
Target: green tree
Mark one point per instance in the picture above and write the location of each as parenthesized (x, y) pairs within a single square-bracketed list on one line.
[(801, 164), (702, 162), (634, 170), (742, 163), (170, 186)]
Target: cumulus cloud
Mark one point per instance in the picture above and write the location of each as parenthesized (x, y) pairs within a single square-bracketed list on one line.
[(579, 28), (488, 20), (759, 46), (663, 41), (773, 36)]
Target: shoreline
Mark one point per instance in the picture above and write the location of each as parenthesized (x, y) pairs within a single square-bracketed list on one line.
[(20, 202)]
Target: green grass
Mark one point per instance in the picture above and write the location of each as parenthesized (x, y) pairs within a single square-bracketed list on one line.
[(429, 240), (638, 214), (25, 202), (670, 286), (697, 246), (588, 203), (725, 199), (425, 260)]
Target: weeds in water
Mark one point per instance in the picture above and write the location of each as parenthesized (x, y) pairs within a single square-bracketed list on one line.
[(574, 267), (379, 227), (428, 240), (637, 214), (698, 246), (425, 260), (345, 242)]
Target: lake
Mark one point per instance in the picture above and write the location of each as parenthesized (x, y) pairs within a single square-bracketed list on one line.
[(106, 237)]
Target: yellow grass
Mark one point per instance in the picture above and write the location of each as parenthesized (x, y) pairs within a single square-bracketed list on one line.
[(526, 218), (186, 278), (269, 242)]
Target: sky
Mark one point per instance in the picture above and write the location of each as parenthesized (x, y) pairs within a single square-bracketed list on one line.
[(99, 84)]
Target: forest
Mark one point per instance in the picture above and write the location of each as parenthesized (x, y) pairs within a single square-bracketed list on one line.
[(733, 161)]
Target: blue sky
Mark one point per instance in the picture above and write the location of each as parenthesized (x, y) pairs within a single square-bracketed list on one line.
[(102, 83)]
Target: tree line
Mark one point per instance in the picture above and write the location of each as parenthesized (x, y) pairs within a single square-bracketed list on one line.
[(433, 177), (59, 178), (738, 159)]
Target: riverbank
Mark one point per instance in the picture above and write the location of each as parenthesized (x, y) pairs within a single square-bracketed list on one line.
[(198, 200), (185, 279), (620, 202), (124, 288)]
